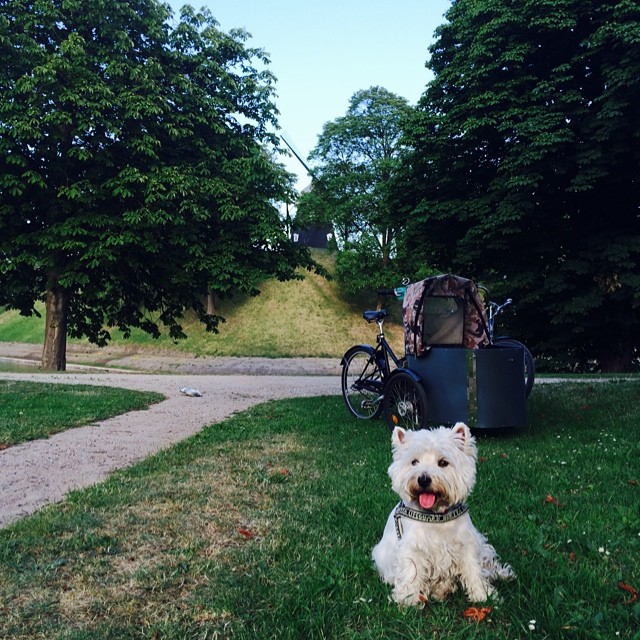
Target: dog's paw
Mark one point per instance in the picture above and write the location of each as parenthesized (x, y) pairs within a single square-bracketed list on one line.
[(482, 592), (505, 572)]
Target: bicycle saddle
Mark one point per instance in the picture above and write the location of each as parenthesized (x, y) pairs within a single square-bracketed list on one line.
[(375, 316)]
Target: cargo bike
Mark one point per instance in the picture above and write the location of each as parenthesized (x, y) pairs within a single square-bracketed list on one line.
[(453, 368)]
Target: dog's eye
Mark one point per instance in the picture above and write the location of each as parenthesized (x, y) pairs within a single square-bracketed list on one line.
[(415, 462), (443, 463)]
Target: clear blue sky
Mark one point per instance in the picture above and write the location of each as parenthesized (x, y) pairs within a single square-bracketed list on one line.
[(323, 51)]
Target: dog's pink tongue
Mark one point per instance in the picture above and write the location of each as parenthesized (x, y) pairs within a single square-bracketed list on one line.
[(427, 500)]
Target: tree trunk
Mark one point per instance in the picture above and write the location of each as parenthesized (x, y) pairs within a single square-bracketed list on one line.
[(211, 303), (386, 247), (54, 354), (617, 359)]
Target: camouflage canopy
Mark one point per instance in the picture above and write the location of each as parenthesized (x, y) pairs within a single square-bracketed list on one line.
[(443, 310)]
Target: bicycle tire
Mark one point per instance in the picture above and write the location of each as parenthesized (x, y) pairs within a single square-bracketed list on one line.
[(529, 363), (362, 383), (405, 402)]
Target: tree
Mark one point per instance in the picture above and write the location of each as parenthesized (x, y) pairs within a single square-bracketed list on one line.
[(525, 168), (357, 157), (135, 167)]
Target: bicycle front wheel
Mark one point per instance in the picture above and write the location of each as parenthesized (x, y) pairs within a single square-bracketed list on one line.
[(405, 402), (362, 382), (529, 365)]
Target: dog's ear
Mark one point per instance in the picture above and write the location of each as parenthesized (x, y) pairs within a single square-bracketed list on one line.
[(461, 434), (398, 437)]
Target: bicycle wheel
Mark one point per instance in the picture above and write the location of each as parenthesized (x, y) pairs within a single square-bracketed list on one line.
[(362, 383), (529, 364), (405, 402)]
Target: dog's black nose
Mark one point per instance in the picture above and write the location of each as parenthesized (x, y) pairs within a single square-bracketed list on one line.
[(424, 481)]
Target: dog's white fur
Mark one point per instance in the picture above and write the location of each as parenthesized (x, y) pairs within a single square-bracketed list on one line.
[(431, 559)]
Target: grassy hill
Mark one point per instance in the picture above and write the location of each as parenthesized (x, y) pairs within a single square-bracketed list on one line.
[(288, 319)]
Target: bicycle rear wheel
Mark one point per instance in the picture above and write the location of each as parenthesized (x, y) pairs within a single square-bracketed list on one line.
[(405, 402), (529, 364), (362, 383)]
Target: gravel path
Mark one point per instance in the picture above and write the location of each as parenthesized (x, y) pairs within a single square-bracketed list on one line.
[(44, 471), (37, 473)]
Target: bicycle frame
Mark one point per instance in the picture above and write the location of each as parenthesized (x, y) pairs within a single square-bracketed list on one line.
[(385, 347), (381, 358), (493, 311)]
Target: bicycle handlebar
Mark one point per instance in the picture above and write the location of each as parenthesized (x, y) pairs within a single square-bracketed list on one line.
[(497, 308)]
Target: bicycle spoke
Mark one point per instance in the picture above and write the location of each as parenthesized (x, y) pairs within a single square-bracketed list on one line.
[(405, 403), (362, 383)]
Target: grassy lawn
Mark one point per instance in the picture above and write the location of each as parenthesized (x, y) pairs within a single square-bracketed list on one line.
[(30, 410), (306, 318), (261, 527)]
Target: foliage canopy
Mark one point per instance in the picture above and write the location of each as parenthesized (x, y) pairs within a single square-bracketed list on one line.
[(526, 163), (136, 166), (357, 157)]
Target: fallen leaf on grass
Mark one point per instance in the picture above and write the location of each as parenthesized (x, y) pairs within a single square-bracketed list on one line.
[(627, 587), (572, 556), (477, 614), (245, 533), (633, 483), (551, 500)]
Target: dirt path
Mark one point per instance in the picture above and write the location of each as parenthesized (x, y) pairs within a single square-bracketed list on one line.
[(158, 361), (41, 472)]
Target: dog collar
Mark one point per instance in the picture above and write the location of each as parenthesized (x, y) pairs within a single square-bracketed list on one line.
[(426, 516)]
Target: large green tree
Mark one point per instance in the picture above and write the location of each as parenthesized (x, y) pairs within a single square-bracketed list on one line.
[(526, 169), (356, 159), (135, 167)]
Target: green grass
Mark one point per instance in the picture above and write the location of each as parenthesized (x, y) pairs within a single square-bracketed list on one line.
[(17, 328), (30, 410), (12, 367), (262, 526), (319, 323)]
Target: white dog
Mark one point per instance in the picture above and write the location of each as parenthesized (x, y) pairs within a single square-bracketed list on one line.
[(429, 544)]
